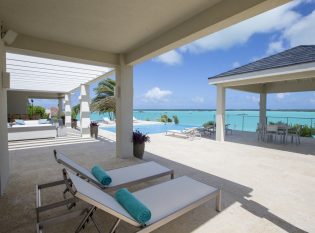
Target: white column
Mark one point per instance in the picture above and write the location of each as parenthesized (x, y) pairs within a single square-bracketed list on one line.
[(68, 110), (220, 122), (59, 107), (85, 110), (4, 152), (262, 108), (124, 110)]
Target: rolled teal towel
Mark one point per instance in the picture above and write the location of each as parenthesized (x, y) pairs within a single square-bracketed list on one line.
[(101, 175), (133, 206)]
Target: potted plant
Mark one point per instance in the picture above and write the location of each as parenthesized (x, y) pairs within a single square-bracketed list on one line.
[(74, 123), (94, 129), (139, 139)]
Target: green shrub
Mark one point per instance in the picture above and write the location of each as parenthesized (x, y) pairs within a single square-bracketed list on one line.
[(208, 124), (37, 111), (305, 131), (75, 111), (164, 118), (176, 120)]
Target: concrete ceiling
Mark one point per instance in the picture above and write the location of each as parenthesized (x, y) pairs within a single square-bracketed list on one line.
[(114, 26)]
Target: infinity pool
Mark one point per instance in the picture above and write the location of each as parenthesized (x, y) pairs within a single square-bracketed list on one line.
[(153, 128)]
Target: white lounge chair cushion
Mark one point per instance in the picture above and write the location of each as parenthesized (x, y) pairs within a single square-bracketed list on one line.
[(162, 199), (175, 131), (169, 197), (122, 175)]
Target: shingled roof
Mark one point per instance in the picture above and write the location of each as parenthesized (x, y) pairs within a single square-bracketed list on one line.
[(294, 56)]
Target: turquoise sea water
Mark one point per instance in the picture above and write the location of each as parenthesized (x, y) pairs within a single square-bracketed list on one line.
[(238, 120)]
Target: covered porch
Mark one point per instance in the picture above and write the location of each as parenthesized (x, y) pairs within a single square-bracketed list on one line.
[(271, 187), (290, 71), (106, 34)]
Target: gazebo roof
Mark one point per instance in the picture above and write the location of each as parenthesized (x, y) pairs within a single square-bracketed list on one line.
[(292, 70), (294, 56)]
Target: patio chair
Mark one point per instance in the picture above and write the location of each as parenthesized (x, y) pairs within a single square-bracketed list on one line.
[(228, 129), (121, 177), (295, 134), (162, 200), (271, 132)]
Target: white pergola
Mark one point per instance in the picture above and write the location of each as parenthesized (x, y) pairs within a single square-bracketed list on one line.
[(116, 34), (50, 75), (292, 70)]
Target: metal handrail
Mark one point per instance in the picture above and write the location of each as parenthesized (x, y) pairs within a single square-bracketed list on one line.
[(287, 119)]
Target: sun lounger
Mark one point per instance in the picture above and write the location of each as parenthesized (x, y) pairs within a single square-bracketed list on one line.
[(121, 177), (166, 201), (108, 121), (188, 133)]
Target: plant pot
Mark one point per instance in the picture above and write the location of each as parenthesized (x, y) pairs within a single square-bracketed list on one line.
[(138, 150), (74, 124), (94, 131)]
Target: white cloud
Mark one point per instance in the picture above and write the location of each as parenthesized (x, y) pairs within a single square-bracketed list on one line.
[(236, 64), (275, 47), (252, 98), (273, 20), (282, 95), (198, 99), (156, 94), (302, 32), (170, 58)]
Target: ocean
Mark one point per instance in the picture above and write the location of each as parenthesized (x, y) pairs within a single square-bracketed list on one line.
[(245, 120)]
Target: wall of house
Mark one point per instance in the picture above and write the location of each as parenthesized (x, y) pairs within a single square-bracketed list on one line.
[(17, 102), (4, 153)]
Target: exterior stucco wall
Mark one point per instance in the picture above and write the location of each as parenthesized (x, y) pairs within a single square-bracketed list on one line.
[(17, 102), (4, 153)]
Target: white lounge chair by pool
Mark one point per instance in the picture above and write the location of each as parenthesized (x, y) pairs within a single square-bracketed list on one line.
[(121, 177), (162, 200), (108, 121), (188, 133)]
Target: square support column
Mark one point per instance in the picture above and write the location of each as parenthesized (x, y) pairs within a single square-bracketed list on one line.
[(4, 152), (124, 110), (68, 110), (262, 109), (59, 107), (85, 111), (220, 115)]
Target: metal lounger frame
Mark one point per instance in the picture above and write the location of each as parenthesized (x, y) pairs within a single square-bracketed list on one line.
[(71, 202), (120, 217)]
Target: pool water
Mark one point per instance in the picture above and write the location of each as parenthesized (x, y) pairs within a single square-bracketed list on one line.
[(152, 128)]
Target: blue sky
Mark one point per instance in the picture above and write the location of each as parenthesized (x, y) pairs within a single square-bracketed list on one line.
[(178, 79)]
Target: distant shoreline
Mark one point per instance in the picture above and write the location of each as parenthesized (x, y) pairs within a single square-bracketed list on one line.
[(274, 110)]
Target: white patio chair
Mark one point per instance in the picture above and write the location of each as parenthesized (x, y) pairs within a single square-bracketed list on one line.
[(162, 200)]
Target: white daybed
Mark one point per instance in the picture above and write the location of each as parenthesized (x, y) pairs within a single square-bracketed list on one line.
[(31, 129)]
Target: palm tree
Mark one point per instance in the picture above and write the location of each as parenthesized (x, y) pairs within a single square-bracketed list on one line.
[(105, 98)]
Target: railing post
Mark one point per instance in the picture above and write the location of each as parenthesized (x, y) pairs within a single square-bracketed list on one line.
[(242, 123)]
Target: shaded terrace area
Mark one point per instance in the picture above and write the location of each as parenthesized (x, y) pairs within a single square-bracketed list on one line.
[(292, 70), (251, 202)]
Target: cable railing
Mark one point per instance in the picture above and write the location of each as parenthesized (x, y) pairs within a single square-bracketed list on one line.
[(249, 123)]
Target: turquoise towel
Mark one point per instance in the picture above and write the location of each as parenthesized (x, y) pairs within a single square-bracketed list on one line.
[(133, 206), (101, 175)]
